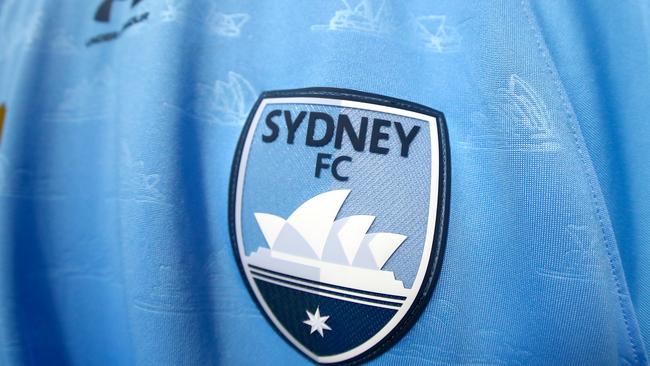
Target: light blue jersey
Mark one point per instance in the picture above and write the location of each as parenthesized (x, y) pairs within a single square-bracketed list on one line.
[(278, 182)]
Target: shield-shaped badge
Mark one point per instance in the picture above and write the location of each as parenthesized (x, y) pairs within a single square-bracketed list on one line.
[(338, 212)]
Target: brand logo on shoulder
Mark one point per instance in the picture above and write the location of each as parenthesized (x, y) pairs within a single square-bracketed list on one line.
[(338, 212), (103, 15)]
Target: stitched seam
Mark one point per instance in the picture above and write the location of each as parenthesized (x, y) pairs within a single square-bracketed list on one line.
[(619, 288)]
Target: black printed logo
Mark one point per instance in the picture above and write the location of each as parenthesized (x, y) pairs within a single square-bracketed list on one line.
[(103, 15)]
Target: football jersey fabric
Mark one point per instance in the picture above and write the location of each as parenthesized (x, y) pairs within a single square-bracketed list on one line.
[(120, 127)]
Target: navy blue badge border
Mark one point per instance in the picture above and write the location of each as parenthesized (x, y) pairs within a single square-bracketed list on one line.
[(442, 217)]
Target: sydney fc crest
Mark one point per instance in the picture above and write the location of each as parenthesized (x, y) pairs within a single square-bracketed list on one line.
[(338, 211)]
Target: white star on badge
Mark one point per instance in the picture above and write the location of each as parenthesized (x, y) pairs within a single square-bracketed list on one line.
[(317, 322)]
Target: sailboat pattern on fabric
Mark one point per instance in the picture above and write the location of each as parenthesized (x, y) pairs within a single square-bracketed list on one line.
[(313, 245)]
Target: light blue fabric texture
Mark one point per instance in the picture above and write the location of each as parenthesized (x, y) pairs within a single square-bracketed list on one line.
[(115, 159)]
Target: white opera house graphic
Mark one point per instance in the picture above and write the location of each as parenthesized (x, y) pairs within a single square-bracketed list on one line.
[(313, 251)]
